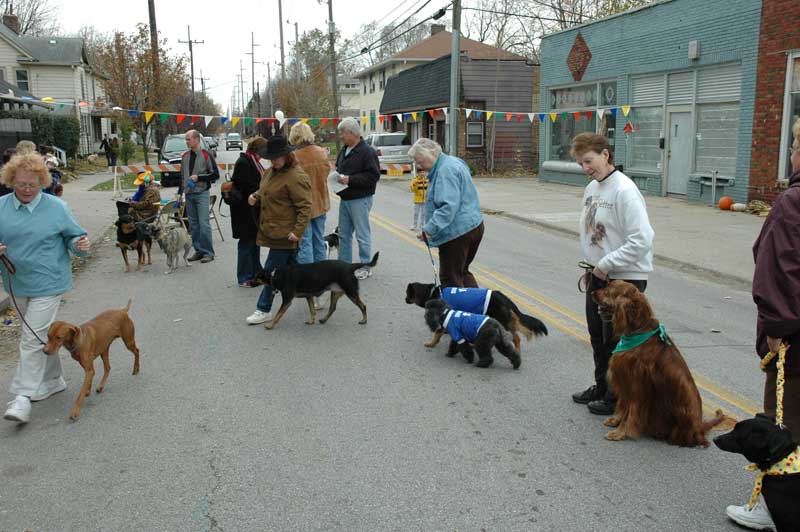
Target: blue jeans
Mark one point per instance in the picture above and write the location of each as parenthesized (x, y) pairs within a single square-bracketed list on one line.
[(197, 210), (275, 259), (354, 216), (248, 262), (312, 245)]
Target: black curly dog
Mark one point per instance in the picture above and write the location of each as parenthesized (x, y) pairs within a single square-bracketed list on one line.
[(491, 334)]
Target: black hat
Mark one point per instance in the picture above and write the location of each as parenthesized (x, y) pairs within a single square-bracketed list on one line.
[(277, 146)]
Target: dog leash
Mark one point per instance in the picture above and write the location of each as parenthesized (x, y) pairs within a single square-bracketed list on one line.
[(585, 279), (436, 284), (12, 270), (779, 382)]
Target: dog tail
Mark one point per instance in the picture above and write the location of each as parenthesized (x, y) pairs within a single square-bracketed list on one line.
[(528, 325), (128, 308), (370, 264)]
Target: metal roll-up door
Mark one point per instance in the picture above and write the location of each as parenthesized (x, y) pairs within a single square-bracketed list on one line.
[(720, 83), (647, 90), (680, 87)]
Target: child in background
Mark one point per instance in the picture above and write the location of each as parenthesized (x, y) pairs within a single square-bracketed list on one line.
[(419, 186)]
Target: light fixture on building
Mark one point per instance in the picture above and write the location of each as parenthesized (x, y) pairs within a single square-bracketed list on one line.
[(694, 49)]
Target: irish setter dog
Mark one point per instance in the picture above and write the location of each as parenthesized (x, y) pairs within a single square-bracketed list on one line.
[(656, 394)]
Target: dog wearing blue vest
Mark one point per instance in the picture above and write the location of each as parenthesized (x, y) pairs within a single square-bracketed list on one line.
[(469, 333)]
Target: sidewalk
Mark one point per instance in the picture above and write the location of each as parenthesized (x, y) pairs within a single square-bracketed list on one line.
[(95, 211), (687, 235)]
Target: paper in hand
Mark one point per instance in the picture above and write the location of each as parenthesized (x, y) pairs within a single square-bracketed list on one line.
[(333, 182)]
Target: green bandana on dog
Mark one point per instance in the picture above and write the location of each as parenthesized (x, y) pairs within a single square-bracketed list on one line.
[(627, 343)]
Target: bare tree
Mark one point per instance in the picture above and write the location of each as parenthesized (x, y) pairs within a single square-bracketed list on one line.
[(36, 17)]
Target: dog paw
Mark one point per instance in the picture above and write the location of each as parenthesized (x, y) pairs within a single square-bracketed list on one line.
[(431, 344), (612, 421), (322, 321), (99, 390), (268, 326), (310, 322), (484, 362), (362, 322), (615, 435), (74, 416)]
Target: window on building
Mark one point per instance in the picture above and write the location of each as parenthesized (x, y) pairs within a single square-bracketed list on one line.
[(113, 127), (371, 84), (365, 87), (2, 74), (474, 134), (383, 78), (794, 112), (717, 138), (83, 87), (564, 130), (22, 80), (645, 152)]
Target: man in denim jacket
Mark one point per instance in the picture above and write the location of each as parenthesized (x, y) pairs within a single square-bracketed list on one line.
[(453, 219)]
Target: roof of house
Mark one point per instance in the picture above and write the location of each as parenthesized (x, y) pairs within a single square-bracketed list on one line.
[(423, 86), (440, 44), (6, 88), (54, 50)]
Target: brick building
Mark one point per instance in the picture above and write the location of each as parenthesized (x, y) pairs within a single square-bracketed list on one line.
[(687, 69), (777, 102)]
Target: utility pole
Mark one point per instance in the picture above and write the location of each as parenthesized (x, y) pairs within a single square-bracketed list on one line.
[(296, 55), (332, 53), (190, 42), (203, 82), (455, 63), (280, 25), (153, 96), (252, 55), (241, 88), (269, 91), (258, 98)]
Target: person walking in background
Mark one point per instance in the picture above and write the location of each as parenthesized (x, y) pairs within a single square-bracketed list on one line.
[(419, 186), (7, 155), (114, 151), (359, 169), (37, 233), (453, 219), (247, 175), (776, 289), (105, 145), (617, 239), (285, 203), (55, 174), (198, 171)]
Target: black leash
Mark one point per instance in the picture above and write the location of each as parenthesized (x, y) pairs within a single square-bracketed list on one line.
[(436, 284), (12, 270), (586, 278)]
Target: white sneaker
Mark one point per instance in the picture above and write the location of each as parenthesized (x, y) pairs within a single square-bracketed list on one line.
[(363, 273), (757, 519), (19, 410), (258, 317), (318, 303)]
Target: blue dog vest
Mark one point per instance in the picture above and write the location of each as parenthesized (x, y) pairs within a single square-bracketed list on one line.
[(463, 326), (474, 300)]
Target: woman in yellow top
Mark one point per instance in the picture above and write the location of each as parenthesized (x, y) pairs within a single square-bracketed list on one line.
[(419, 186)]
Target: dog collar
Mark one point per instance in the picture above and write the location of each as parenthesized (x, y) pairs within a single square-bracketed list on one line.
[(790, 465), (631, 341)]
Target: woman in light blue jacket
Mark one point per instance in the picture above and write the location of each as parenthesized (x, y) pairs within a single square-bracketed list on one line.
[(37, 233), (453, 219)]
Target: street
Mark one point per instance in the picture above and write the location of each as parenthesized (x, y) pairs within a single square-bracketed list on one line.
[(349, 427)]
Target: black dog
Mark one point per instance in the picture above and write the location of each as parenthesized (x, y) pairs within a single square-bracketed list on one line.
[(131, 236), (332, 241), (466, 330), (765, 444), (312, 280), (500, 308)]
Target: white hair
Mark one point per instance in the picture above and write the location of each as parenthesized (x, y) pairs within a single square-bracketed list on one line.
[(425, 148), (350, 125)]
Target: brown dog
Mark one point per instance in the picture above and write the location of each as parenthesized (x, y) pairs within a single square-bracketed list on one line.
[(656, 394), (90, 340)]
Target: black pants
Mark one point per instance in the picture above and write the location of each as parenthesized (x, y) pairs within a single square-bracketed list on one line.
[(602, 336)]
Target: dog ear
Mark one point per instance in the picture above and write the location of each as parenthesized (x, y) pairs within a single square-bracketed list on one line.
[(75, 331), (778, 440)]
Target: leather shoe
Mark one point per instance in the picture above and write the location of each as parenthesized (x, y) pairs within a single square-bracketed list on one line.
[(586, 396), (601, 407), (206, 259), (195, 257)]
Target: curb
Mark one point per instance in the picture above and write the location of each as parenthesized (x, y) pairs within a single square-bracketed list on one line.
[(676, 264)]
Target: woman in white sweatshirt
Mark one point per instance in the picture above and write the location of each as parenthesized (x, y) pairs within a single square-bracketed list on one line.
[(617, 239)]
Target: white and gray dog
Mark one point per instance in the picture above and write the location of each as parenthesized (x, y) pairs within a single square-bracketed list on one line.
[(171, 239)]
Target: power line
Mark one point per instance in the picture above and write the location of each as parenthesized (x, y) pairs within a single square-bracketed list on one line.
[(398, 6), (369, 46), (518, 15)]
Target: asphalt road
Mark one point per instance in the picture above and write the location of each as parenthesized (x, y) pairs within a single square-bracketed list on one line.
[(353, 427)]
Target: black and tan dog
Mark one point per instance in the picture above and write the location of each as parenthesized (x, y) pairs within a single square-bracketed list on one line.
[(332, 242), (771, 448), (468, 331), (500, 308), (131, 236), (312, 280)]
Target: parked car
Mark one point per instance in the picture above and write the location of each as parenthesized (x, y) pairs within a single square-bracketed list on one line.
[(391, 148), (233, 140), (213, 145), (170, 153)]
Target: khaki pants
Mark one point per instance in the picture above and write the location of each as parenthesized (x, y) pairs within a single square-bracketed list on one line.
[(38, 375), (791, 400)]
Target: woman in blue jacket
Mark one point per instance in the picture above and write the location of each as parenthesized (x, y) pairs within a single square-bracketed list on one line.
[(453, 219)]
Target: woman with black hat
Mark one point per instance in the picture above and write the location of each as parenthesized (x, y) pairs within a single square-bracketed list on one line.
[(285, 205)]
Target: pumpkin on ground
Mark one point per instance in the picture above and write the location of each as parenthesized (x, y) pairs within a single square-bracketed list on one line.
[(725, 203)]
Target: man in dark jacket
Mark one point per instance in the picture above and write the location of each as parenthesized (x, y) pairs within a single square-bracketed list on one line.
[(106, 147), (359, 169), (198, 171)]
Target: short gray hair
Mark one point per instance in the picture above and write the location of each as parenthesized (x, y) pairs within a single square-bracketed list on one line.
[(350, 125), (193, 133), (426, 148)]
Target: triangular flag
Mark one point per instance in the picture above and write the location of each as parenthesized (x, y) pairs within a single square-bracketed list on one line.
[(324, 121), (588, 115), (508, 116), (478, 114), (380, 118), (553, 117), (259, 120), (133, 113), (364, 120), (195, 118), (163, 117), (61, 106), (223, 119), (281, 122), (625, 110), (414, 116), (148, 115), (530, 116), (293, 121), (335, 121), (314, 121), (399, 116), (519, 117), (541, 117), (234, 121), (248, 120), (406, 116), (180, 118), (445, 110), (304, 120), (489, 115), (208, 119), (614, 112), (432, 113), (576, 115), (564, 115), (600, 113), (628, 127), (468, 111)]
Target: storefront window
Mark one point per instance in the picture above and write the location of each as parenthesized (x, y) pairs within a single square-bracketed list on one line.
[(717, 137), (574, 97), (564, 130), (644, 139), (794, 111)]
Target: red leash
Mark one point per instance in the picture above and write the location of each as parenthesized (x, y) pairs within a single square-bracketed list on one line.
[(12, 270)]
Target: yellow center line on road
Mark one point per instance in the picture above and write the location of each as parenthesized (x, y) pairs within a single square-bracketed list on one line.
[(495, 280)]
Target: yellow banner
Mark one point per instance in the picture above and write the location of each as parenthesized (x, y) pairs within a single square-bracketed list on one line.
[(148, 115), (626, 109), (553, 117), (234, 121)]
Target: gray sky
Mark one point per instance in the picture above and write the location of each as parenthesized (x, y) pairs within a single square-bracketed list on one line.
[(225, 27)]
